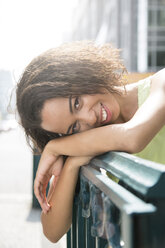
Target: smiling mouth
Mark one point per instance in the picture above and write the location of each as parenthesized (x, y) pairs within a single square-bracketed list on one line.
[(105, 114)]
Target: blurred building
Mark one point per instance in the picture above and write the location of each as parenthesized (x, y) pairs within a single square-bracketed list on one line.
[(6, 84), (135, 26)]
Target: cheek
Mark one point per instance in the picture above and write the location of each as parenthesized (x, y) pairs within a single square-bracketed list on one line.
[(52, 123), (84, 127), (115, 109), (60, 125)]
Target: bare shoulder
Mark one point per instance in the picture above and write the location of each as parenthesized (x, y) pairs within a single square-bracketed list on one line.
[(158, 81)]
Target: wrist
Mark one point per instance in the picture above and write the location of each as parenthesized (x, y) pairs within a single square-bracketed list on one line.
[(51, 148), (71, 165)]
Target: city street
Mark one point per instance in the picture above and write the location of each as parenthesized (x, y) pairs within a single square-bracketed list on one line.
[(20, 225)]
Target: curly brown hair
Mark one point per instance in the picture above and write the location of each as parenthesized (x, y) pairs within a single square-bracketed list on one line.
[(72, 69)]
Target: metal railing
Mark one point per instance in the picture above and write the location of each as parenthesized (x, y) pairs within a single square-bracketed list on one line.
[(128, 213)]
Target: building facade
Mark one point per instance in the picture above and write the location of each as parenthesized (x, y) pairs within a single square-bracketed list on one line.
[(135, 26)]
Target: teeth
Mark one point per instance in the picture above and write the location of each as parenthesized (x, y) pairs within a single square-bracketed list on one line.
[(104, 114)]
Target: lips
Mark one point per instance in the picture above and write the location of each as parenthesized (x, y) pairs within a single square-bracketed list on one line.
[(105, 114)]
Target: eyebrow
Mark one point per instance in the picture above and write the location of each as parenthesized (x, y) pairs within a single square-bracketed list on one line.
[(71, 111)]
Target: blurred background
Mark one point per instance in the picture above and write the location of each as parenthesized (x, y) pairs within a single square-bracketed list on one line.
[(29, 27)]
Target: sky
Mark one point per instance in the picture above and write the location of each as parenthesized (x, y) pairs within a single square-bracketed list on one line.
[(29, 27)]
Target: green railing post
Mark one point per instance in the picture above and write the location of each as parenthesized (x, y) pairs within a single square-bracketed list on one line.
[(36, 159), (127, 214)]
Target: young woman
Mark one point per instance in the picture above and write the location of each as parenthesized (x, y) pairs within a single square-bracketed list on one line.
[(73, 101)]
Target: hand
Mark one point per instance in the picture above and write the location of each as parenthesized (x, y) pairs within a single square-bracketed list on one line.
[(49, 165), (73, 163)]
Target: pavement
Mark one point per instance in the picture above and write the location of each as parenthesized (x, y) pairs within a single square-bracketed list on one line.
[(20, 225)]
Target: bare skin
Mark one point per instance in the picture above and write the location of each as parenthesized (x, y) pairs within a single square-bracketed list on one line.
[(58, 220), (78, 114), (131, 132)]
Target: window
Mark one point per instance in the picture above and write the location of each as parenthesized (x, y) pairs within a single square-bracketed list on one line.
[(161, 17), (160, 58)]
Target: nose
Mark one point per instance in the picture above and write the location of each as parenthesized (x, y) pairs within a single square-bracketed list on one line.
[(87, 118)]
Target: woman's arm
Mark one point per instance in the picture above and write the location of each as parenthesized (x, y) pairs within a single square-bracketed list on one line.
[(131, 136), (58, 220)]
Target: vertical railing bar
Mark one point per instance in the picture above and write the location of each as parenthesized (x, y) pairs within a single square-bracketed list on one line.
[(68, 240), (103, 243), (83, 243), (88, 230), (88, 233), (127, 230), (80, 228), (74, 236), (90, 239), (96, 242), (77, 227), (71, 235), (86, 244)]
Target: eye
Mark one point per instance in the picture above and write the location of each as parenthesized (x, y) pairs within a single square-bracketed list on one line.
[(75, 128), (76, 103)]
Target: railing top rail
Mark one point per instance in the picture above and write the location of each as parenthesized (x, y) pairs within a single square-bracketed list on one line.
[(122, 198), (144, 177)]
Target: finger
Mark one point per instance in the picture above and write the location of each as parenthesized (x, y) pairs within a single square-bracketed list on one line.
[(55, 180), (40, 197), (44, 204), (37, 186)]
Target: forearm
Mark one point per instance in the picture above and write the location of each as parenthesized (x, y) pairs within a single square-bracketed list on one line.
[(58, 220), (131, 137), (92, 142)]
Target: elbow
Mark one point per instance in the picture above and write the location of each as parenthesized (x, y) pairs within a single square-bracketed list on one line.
[(51, 231), (51, 237), (134, 144), (48, 230), (135, 147)]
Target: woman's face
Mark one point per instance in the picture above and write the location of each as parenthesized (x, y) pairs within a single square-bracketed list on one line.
[(77, 114)]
